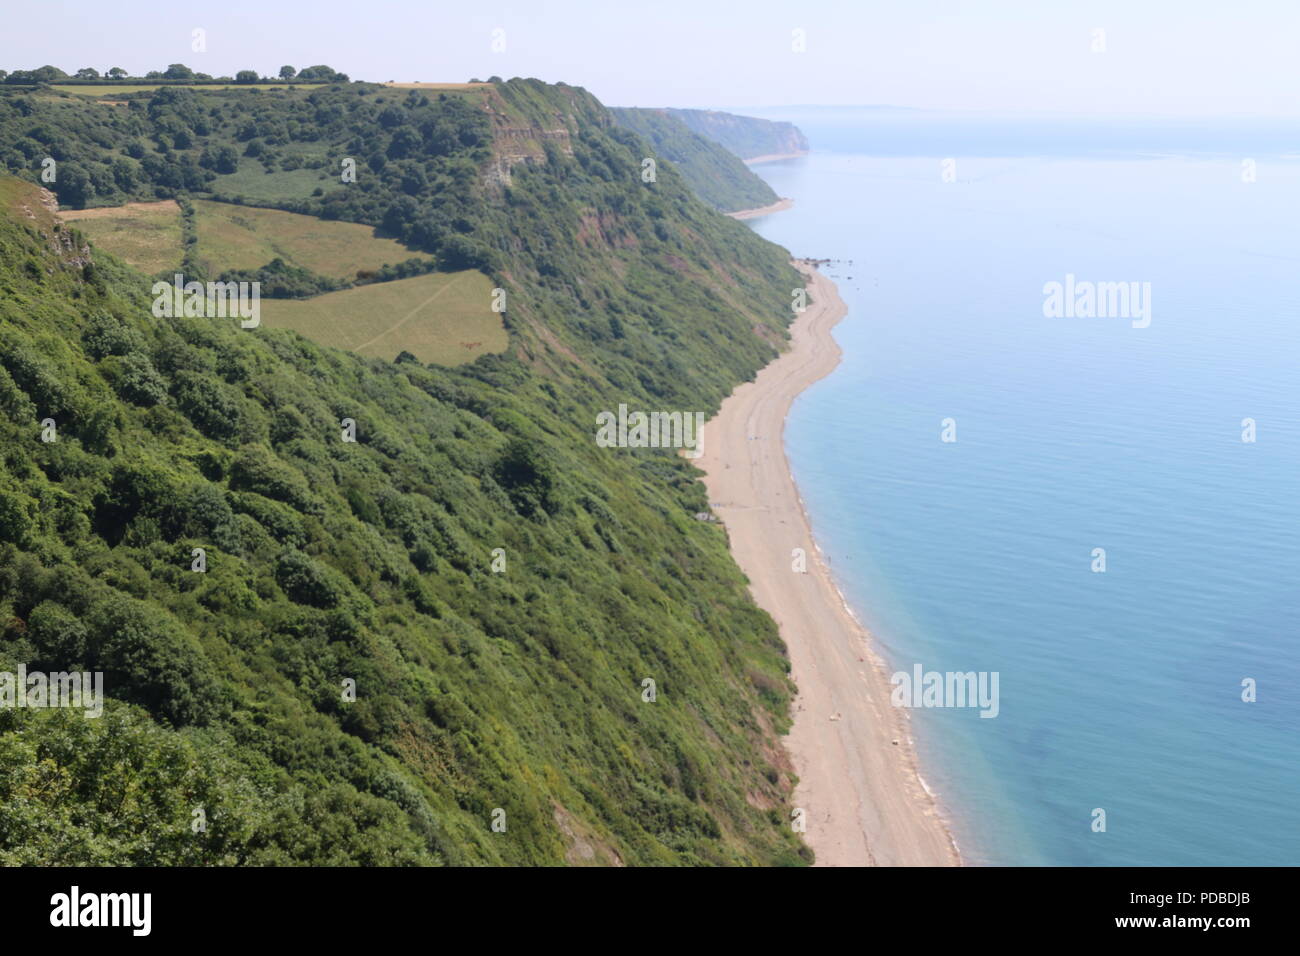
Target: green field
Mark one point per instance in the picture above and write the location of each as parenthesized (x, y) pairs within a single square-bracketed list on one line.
[(106, 89), (146, 235), (253, 182), (441, 317), (245, 237)]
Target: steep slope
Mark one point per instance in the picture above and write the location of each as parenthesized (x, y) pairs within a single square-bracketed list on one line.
[(532, 183), (717, 176), (747, 136), (518, 689)]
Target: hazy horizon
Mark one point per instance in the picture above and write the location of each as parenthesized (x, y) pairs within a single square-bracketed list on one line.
[(1012, 56)]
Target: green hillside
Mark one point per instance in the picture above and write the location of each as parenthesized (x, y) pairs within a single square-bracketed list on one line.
[(747, 136), (372, 561), (717, 176)]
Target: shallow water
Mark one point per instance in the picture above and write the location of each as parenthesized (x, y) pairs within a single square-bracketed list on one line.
[(1119, 690)]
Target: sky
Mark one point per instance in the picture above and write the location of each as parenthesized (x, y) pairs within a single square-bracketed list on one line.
[(1153, 57)]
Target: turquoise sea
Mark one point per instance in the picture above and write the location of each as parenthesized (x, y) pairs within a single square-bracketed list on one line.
[(1119, 690)]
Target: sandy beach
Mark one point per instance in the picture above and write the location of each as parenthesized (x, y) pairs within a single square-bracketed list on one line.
[(779, 206), (864, 801), (773, 157)]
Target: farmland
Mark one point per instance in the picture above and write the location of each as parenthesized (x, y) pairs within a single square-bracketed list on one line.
[(245, 237), (145, 235), (253, 182), (442, 317), (148, 236)]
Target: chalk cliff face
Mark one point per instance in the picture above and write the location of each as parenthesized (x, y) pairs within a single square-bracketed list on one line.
[(523, 121), (746, 136)]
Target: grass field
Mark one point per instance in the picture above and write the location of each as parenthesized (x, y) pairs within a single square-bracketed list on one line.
[(244, 237), (443, 317), (109, 89), (252, 182), (146, 235), (440, 317)]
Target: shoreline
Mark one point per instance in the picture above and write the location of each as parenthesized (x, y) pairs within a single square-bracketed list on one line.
[(864, 799), (773, 157), (779, 206)]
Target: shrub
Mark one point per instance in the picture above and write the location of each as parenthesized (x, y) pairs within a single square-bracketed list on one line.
[(305, 581)]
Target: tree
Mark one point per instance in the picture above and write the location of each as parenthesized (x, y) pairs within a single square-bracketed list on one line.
[(44, 74), (321, 72), (73, 186), (528, 478), (287, 72), (16, 514), (222, 159), (117, 72), (246, 76), (405, 142), (87, 73), (305, 581), (178, 71)]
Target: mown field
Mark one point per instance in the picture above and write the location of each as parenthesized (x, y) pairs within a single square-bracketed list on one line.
[(148, 236), (245, 237), (442, 317), (145, 235)]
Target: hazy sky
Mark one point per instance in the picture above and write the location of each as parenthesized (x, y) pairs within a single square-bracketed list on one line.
[(1183, 57)]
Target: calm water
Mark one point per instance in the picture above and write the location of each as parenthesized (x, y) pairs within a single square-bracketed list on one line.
[(1119, 690)]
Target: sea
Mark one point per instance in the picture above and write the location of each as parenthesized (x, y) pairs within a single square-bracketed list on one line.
[(1099, 504)]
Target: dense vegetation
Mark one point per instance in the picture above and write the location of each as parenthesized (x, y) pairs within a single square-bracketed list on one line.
[(746, 136), (718, 177), (373, 561), (175, 73), (533, 184)]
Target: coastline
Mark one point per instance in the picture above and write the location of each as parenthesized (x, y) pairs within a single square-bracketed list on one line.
[(864, 799), (779, 206), (773, 157)]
